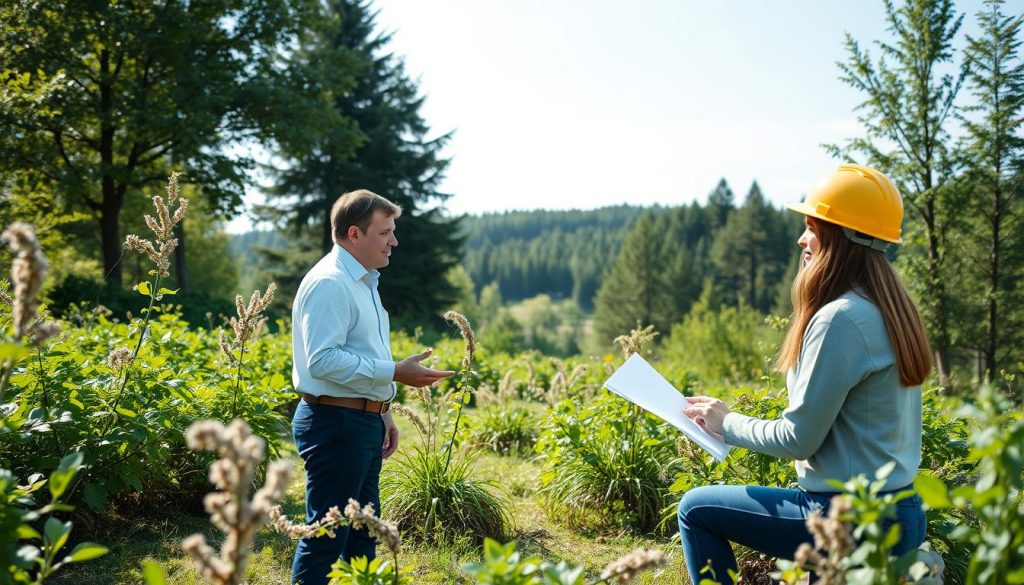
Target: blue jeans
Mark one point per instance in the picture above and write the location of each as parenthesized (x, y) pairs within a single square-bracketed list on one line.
[(342, 451), (770, 520)]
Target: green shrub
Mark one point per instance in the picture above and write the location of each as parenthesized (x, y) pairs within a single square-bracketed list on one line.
[(22, 562), (721, 343), (995, 496), (606, 464)]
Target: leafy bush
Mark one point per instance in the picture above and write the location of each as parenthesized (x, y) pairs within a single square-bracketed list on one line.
[(121, 394), (362, 572), (721, 343), (996, 494), (606, 464), (28, 563), (854, 543)]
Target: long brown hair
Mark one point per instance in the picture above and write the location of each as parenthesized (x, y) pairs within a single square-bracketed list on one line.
[(840, 265)]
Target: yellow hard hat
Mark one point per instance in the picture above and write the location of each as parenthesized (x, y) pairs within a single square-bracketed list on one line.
[(859, 198)]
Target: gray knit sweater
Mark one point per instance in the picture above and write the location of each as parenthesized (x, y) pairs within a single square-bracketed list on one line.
[(847, 413)]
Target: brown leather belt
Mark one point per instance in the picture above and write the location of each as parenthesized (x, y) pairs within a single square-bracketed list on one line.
[(363, 404)]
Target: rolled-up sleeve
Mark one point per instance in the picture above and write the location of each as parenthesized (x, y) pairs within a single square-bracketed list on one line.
[(326, 320), (832, 361)]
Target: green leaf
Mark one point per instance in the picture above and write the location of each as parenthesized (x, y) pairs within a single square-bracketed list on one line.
[(55, 533), (892, 537), (933, 491), (143, 288), (12, 351), (26, 532), (61, 477), (95, 496), (153, 574), (86, 551), (167, 291), (126, 412)]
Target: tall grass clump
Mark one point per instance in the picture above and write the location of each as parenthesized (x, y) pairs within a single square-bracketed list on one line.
[(430, 491)]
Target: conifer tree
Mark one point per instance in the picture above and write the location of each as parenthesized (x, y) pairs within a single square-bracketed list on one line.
[(721, 203), (743, 255), (908, 106), (635, 290), (392, 154), (995, 153)]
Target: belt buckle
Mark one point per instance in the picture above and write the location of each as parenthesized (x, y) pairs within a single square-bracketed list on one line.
[(385, 407)]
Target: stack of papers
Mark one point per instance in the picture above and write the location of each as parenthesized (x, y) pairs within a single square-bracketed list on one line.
[(641, 384)]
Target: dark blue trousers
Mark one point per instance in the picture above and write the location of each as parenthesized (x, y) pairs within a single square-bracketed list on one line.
[(341, 448), (770, 520)]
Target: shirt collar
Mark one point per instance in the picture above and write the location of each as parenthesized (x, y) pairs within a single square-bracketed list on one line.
[(352, 266)]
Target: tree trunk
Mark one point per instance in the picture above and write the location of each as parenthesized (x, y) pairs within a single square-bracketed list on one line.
[(328, 238), (110, 208), (110, 238)]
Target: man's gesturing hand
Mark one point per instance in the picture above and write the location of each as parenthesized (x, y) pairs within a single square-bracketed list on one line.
[(411, 373)]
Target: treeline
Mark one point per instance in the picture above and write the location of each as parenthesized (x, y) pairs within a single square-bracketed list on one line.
[(648, 265), (563, 254)]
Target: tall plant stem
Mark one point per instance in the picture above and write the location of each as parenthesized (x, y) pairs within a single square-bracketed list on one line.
[(135, 354), (458, 417), (46, 399), (238, 383), (5, 378)]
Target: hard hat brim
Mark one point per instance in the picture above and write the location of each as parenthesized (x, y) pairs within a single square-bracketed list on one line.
[(804, 209)]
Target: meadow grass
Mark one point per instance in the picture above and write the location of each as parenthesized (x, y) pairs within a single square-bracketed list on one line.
[(157, 538)]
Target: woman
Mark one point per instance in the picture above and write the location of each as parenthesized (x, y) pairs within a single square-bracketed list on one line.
[(855, 357)]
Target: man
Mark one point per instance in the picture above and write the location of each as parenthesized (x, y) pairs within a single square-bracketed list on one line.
[(345, 375)]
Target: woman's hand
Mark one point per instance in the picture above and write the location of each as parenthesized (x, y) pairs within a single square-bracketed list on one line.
[(709, 413)]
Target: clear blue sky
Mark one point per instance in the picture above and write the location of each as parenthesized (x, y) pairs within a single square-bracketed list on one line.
[(562, 104)]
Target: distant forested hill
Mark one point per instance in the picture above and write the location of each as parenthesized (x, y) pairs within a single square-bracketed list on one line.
[(746, 251), (560, 253)]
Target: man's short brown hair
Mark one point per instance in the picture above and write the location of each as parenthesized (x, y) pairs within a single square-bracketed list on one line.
[(356, 208)]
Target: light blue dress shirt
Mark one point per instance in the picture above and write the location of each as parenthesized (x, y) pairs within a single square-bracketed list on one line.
[(341, 332)]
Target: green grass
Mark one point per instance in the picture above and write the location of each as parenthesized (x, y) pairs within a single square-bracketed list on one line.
[(158, 538)]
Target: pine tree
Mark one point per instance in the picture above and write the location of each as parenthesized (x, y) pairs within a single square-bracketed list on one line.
[(908, 106), (635, 290), (385, 149), (995, 153), (721, 203), (743, 254)]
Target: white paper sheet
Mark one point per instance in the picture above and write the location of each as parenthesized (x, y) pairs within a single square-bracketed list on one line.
[(641, 384)]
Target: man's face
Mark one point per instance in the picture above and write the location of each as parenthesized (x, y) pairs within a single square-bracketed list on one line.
[(373, 249)]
